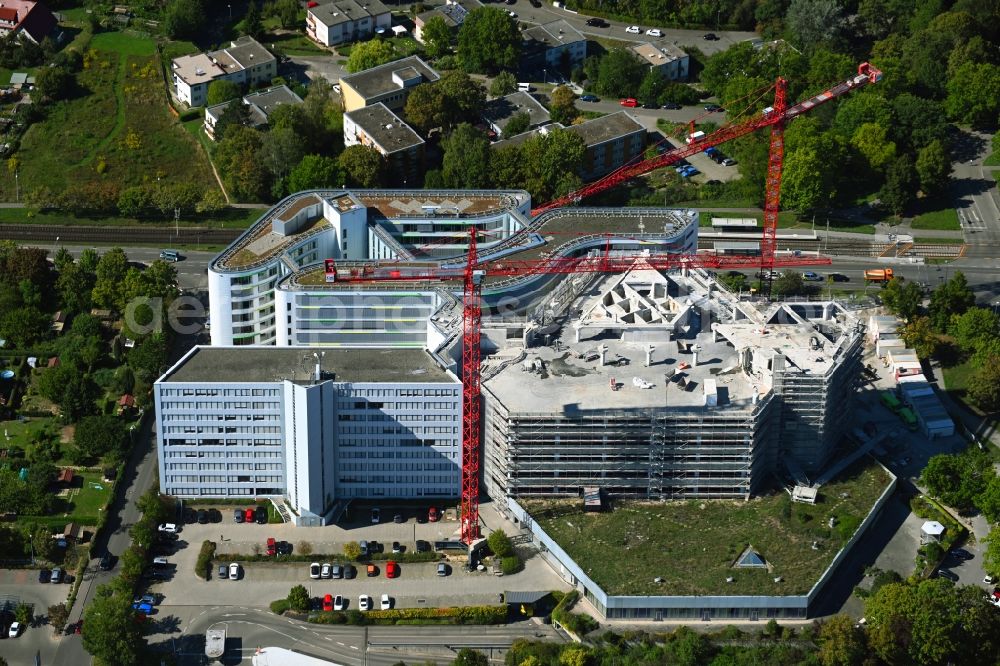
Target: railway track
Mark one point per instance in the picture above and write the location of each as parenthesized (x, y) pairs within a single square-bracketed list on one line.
[(154, 236)]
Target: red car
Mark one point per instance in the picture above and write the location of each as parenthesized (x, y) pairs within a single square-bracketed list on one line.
[(272, 548), (630, 102), (249, 515), (391, 569), (328, 602), (433, 515)]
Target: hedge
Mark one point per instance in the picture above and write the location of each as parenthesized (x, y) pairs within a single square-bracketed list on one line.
[(511, 565), (203, 567), (455, 615), (578, 623), (279, 606), (338, 558)]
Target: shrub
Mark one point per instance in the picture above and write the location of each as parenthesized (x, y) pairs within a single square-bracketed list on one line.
[(352, 550), (298, 598), (459, 615), (500, 544), (577, 623), (279, 606), (511, 565), (203, 566)]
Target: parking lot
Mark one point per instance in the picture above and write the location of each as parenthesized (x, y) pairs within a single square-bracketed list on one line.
[(418, 584), (22, 586)]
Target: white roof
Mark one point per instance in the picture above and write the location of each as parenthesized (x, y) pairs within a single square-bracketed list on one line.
[(276, 656), (933, 528)]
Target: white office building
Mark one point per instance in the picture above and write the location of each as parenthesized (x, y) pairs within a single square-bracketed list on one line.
[(309, 429)]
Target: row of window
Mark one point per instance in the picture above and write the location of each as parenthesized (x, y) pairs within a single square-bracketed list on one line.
[(397, 467), (348, 391), (446, 481), (227, 392), (433, 454), (180, 416), (246, 467), (193, 478), (261, 454)]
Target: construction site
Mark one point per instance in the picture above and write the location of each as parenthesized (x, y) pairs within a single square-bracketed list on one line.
[(667, 386)]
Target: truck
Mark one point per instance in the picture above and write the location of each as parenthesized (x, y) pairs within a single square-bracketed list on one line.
[(878, 275), (215, 643)]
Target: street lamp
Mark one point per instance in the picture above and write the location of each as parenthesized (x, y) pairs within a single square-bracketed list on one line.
[(230, 12)]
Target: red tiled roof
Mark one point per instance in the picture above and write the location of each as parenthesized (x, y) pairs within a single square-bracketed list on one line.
[(8, 15), (38, 23), (65, 476), (126, 401)]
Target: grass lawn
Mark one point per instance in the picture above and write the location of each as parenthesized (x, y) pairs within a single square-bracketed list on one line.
[(938, 241), (992, 160), (21, 434), (230, 218), (956, 378), (943, 219), (693, 545), (83, 503), (996, 176), (292, 43), (117, 132)]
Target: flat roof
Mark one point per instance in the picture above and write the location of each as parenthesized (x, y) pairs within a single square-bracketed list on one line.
[(381, 80), (247, 52), (657, 55), (385, 128), (196, 69), (267, 100), (552, 35), (501, 110), (245, 364), (341, 11), (734, 222), (607, 128)]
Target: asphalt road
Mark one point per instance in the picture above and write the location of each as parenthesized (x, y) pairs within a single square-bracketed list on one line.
[(975, 190), (248, 628)]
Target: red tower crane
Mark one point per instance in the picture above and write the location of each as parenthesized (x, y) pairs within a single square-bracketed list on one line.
[(476, 271)]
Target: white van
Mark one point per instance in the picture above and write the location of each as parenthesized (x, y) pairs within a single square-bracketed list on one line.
[(523, 87)]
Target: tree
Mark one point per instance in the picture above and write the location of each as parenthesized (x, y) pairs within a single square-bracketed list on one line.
[(562, 105), (109, 273), (903, 298), (110, 631), (183, 19), (652, 87), (352, 550), (900, 185), (245, 176), (470, 657), (789, 284), (503, 84), (871, 140), (974, 328), (97, 436), (466, 159), (488, 41), (22, 327), (281, 150), (236, 114), (252, 24), (974, 94), (991, 556), (518, 123), (286, 11), (841, 643), (364, 166), (618, 73), (437, 37), (462, 97), (551, 162), (933, 168), (58, 615), (298, 599), (148, 358), (988, 501), (314, 172), (365, 55), (920, 336), (54, 83), (950, 298), (500, 543), (983, 388), (507, 167), (222, 90), (814, 22)]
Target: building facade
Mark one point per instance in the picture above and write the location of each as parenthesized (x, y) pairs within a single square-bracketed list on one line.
[(308, 429), (377, 127), (389, 84), (261, 104), (554, 46)]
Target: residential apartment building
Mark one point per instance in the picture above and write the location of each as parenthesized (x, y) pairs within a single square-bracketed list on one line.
[(379, 128), (27, 19), (389, 84), (344, 21), (669, 60), (498, 112), (308, 429), (556, 46), (452, 12), (261, 104), (244, 61)]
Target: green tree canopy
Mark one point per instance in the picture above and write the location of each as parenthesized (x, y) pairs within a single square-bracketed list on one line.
[(518, 123), (562, 105), (950, 298), (974, 328), (903, 298), (551, 162), (315, 171), (899, 189), (466, 163), (934, 168), (364, 166), (437, 37), (222, 90), (974, 94), (983, 387), (183, 19), (503, 83), (236, 157), (54, 83), (252, 24), (110, 631), (488, 41), (97, 436), (365, 55)]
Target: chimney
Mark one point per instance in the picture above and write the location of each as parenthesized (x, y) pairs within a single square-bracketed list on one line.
[(649, 355), (604, 352), (694, 351)]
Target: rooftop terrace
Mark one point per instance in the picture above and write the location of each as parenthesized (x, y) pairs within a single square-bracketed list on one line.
[(274, 364)]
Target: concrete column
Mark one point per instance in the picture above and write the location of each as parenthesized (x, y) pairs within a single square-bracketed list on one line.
[(649, 355), (604, 353)]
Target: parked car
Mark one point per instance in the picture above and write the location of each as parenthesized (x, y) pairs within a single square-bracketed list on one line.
[(597, 23), (15, 630), (284, 548), (948, 575), (839, 277), (223, 572), (160, 563), (314, 570), (443, 569), (433, 514), (57, 575), (654, 32), (988, 579), (44, 575), (372, 570), (397, 547), (328, 602), (537, 4), (385, 603), (398, 518), (376, 516), (364, 546), (589, 98), (261, 515), (364, 602), (729, 161), (145, 609), (391, 569), (809, 276), (234, 571), (202, 517), (248, 515), (272, 546), (629, 102), (423, 546), (169, 528), (339, 603), (107, 562), (189, 515), (672, 106), (713, 108), (337, 571), (145, 599), (214, 516), (962, 554), (326, 571), (633, 30), (238, 515), (710, 37), (350, 571)]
